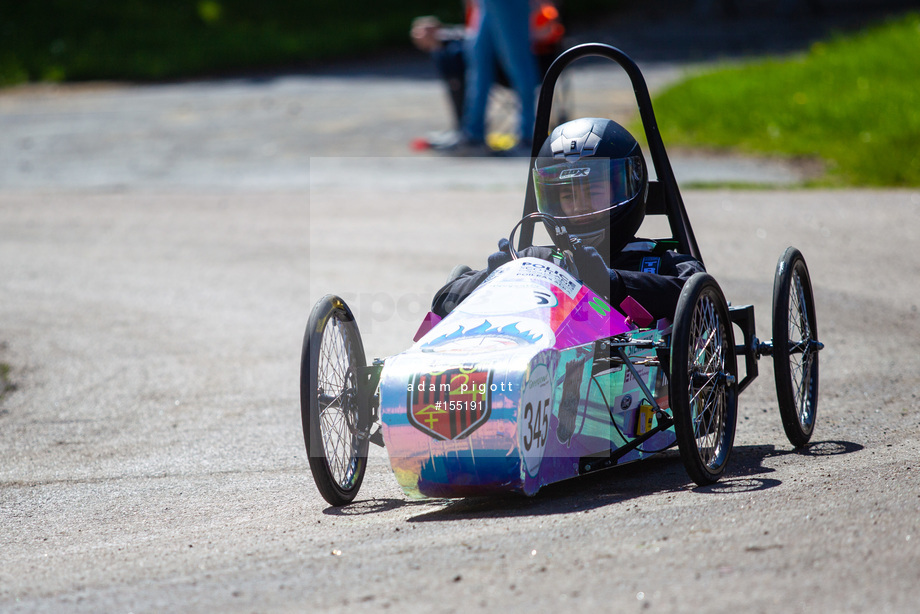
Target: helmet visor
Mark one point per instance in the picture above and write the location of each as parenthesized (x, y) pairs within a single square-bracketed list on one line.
[(584, 191)]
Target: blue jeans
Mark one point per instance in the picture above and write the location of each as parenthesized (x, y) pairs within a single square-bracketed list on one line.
[(503, 32)]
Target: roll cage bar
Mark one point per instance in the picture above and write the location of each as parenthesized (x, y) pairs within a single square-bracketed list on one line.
[(663, 195)]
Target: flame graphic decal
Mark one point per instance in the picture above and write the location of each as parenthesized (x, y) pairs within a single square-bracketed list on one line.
[(486, 328)]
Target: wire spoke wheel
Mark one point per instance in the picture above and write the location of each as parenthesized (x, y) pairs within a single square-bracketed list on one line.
[(795, 347), (702, 383), (334, 432)]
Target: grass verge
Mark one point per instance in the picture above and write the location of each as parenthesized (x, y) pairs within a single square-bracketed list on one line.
[(69, 40), (140, 40), (853, 101)]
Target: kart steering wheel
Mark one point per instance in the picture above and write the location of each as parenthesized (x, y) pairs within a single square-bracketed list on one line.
[(560, 237)]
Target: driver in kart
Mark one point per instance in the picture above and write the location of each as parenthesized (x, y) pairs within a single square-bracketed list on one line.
[(591, 176)]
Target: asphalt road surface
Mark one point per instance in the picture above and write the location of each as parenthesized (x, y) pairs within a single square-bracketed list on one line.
[(154, 287), (153, 458)]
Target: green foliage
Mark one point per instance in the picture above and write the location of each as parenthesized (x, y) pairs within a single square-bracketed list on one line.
[(158, 39), (854, 101), (72, 40)]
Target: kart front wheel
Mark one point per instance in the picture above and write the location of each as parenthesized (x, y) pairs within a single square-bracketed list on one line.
[(795, 347), (703, 393), (334, 428)]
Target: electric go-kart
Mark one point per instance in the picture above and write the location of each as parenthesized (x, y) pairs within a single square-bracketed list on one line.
[(534, 378)]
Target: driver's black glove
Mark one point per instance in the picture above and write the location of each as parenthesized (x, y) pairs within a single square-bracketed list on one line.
[(594, 272), (500, 257)]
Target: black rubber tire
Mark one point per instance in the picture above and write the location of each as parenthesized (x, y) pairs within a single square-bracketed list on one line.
[(703, 388), (795, 347), (332, 353)]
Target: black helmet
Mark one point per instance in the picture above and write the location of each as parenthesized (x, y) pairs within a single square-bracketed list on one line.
[(590, 175)]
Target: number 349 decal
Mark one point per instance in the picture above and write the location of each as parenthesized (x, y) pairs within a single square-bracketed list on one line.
[(533, 420)]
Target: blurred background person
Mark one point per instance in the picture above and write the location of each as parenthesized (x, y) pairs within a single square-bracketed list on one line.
[(471, 59), (500, 30), (444, 43)]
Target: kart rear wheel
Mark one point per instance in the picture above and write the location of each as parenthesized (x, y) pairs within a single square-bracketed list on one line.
[(333, 428), (795, 347), (703, 393)]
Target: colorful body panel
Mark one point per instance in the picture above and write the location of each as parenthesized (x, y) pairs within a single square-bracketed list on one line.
[(504, 393)]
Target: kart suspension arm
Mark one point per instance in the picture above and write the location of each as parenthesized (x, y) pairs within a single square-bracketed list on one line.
[(662, 415), (596, 463), (369, 400), (765, 348)]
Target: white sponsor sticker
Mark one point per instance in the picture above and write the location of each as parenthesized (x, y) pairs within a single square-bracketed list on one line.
[(533, 417), (539, 269)]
